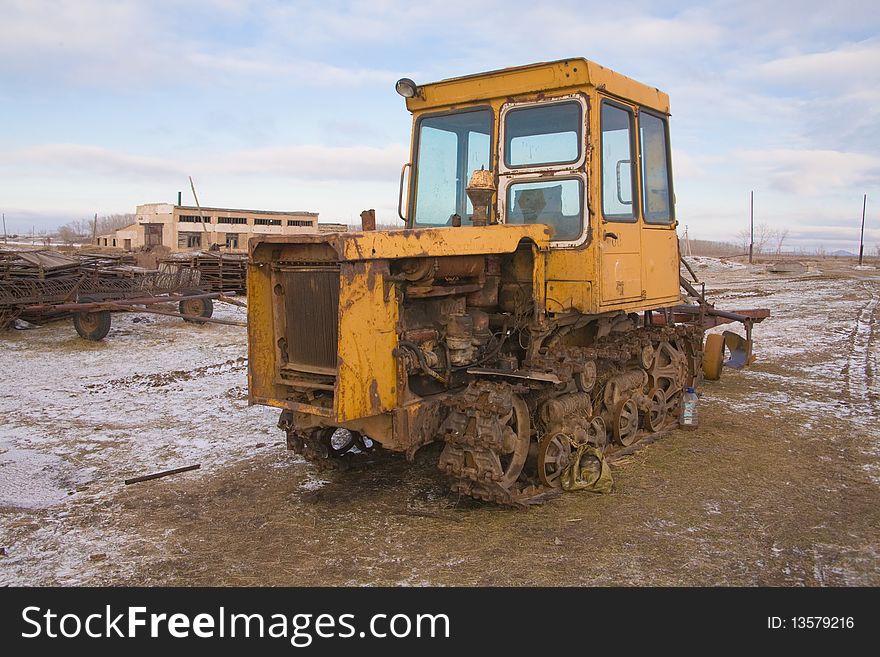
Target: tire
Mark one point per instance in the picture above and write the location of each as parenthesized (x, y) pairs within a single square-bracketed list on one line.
[(196, 307), (92, 326), (713, 356)]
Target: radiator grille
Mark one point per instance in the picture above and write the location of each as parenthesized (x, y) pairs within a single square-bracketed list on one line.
[(311, 301)]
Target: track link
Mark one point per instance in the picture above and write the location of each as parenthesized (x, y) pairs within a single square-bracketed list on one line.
[(477, 437)]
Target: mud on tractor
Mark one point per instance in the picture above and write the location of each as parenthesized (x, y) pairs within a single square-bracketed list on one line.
[(529, 316)]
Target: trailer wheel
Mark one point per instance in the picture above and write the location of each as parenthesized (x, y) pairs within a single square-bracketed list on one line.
[(197, 308), (713, 356), (94, 325)]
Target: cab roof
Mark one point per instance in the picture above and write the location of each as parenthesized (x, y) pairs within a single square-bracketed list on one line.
[(568, 75)]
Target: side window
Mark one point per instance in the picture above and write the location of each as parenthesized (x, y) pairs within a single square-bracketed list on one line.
[(543, 135), (617, 169), (655, 169), (438, 182)]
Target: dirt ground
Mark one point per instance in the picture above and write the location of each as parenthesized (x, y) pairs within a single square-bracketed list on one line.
[(779, 486)]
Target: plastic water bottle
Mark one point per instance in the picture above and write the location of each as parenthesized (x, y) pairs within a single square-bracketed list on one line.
[(689, 401)]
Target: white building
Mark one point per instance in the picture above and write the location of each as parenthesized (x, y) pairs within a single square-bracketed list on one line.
[(181, 227)]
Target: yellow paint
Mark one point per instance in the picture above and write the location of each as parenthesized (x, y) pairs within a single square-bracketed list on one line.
[(464, 240), (559, 76), (367, 373), (562, 296), (261, 336), (660, 264)]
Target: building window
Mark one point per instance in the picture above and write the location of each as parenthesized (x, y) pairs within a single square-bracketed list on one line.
[(231, 240), (267, 222), (189, 240), (299, 222), (114, 241), (193, 219), (232, 220)]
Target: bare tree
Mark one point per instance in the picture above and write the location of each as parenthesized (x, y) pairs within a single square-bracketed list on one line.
[(114, 222), (69, 234), (780, 236), (78, 230), (763, 234), (744, 237)]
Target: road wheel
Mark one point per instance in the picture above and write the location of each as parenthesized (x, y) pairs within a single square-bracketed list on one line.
[(554, 455), (92, 325), (197, 308), (713, 356), (625, 422), (655, 416)]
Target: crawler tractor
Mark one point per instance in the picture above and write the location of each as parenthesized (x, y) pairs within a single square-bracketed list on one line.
[(529, 316)]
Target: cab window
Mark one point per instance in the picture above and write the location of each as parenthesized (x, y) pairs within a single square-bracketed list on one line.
[(555, 202), (618, 173), (543, 135), (655, 169), (450, 148)]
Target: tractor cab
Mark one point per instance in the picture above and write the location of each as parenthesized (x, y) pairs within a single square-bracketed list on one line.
[(568, 144)]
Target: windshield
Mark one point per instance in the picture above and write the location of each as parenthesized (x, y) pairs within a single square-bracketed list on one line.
[(450, 148)]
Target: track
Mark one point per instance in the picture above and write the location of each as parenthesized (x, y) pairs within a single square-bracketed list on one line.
[(860, 369)]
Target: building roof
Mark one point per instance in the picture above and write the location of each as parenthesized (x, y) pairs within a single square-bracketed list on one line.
[(275, 212)]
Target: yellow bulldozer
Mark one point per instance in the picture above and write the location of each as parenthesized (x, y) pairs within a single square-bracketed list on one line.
[(529, 317)]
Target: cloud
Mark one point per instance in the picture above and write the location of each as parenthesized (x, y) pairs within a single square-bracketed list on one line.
[(317, 162), (812, 172), (300, 162), (141, 45), (80, 159), (852, 66)]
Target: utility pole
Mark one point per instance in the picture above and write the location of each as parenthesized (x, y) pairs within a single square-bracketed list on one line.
[(201, 215), (862, 238), (752, 221), (4, 229)]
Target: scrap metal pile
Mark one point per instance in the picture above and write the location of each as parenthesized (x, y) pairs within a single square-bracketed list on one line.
[(219, 272), (32, 283)]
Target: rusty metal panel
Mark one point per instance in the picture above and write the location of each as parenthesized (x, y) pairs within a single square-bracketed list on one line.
[(562, 296), (366, 383), (261, 333), (465, 240)]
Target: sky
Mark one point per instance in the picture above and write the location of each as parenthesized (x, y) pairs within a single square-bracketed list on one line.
[(291, 105)]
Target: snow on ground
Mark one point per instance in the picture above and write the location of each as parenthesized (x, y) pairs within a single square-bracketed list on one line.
[(823, 332), (79, 417), (707, 264)]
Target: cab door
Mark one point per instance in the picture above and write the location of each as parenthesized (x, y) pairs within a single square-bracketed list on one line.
[(659, 237), (619, 240)]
